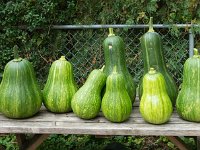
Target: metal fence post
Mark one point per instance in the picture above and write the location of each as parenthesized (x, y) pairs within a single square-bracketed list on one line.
[(191, 43)]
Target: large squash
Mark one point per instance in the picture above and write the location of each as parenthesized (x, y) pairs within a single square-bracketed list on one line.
[(188, 101), (86, 102), (60, 87), (116, 103), (114, 53), (152, 52), (155, 104), (20, 94)]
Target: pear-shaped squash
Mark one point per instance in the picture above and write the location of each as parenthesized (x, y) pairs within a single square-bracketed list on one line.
[(86, 102), (155, 104), (188, 100), (152, 52), (116, 103), (114, 53), (60, 87), (20, 96)]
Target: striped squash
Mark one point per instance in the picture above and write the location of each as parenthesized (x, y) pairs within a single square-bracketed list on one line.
[(20, 94), (155, 104), (188, 101), (60, 87), (86, 102), (114, 54), (116, 103), (152, 52)]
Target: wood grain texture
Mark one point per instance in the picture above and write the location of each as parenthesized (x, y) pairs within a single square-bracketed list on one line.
[(46, 122)]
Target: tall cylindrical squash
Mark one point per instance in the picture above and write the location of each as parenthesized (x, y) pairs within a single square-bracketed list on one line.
[(20, 96), (60, 87), (188, 100), (155, 104), (152, 52), (114, 54)]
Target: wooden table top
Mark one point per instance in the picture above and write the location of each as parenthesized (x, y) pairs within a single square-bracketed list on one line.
[(46, 122)]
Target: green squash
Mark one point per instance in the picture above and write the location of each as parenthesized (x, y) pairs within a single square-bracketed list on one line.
[(188, 100), (114, 54), (20, 94), (116, 103), (60, 87), (86, 102), (152, 52), (155, 104)]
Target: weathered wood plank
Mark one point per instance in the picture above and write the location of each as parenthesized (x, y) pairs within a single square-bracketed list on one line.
[(15, 123), (48, 116), (108, 129), (69, 123)]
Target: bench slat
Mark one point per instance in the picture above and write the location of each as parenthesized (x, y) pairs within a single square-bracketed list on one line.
[(69, 123)]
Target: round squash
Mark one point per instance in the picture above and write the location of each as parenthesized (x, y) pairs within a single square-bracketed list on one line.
[(116, 102), (60, 87), (20, 94), (152, 52), (155, 104), (86, 102), (188, 101), (114, 54)]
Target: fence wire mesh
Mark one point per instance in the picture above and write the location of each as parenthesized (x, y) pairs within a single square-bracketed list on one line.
[(83, 48)]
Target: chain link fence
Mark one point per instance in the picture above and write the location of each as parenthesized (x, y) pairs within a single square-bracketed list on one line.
[(83, 48)]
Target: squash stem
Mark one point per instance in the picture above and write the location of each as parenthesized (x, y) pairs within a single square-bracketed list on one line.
[(111, 33), (62, 58), (16, 54), (196, 52), (152, 71), (102, 68), (151, 25)]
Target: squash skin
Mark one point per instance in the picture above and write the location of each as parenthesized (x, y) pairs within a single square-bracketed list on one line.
[(86, 102), (116, 103), (152, 52), (60, 87), (188, 100), (116, 57), (155, 104), (20, 94)]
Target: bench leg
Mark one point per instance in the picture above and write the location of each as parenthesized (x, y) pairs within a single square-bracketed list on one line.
[(198, 142), (21, 140), (178, 142), (32, 143)]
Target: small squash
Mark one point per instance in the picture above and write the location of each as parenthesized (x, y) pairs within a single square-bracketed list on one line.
[(60, 87), (116, 102), (152, 52), (86, 102), (155, 104), (114, 54), (20, 94), (188, 101)]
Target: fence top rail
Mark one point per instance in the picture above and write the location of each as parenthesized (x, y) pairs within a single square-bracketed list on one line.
[(121, 26), (99, 26)]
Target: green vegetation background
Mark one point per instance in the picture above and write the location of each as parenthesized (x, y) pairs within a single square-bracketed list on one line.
[(34, 41)]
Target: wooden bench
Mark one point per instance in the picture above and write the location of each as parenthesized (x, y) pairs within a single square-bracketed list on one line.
[(45, 123)]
